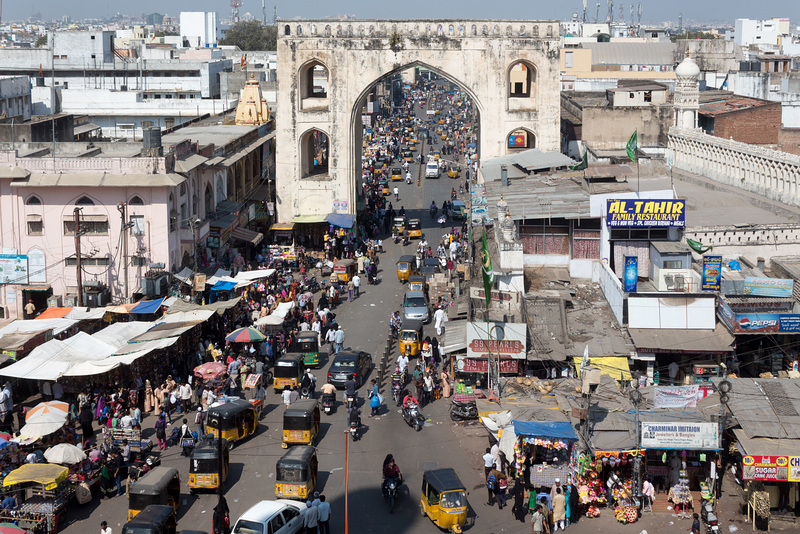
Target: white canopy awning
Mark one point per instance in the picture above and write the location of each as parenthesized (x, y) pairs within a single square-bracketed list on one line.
[(271, 320), (51, 360), (282, 309), (36, 325)]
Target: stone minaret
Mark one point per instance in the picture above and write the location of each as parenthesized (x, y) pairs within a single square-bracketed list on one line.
[(687, 94)]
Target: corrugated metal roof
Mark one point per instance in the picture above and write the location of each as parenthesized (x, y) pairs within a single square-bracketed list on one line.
[(684, 340), (671, 247), (632, 53), (766, 408), (186, 165), (730, 105), (527, 160), (540, 197)]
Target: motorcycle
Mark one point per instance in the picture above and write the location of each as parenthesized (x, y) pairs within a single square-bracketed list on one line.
[(353, 430), (390, 491), (405, 240), (328, 402), (397, 390), (433, 212), (413, 417), (351, 401), (395, 238), (408, 179), (372, 278), (463, 411), (710, 518), (460, 189)]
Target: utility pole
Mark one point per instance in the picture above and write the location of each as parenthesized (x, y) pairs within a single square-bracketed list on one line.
[(123, 208), (76, 214), (636, 399), (346, 494), (53, 96)]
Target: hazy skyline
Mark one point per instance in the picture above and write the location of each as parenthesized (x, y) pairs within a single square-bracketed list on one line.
[(711, 10)]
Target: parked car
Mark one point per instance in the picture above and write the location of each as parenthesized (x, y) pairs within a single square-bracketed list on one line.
[(280, 516), (350, 364), (415, 306)]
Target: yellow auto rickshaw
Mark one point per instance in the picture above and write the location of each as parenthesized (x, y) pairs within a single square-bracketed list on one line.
[(204, 465), (307, 344), (296, 473), (406, 266), (437, 155), (300, 423), (397, 174), (162, 485), (155, 519), (399, 224), (236, 419), (384, 186), (416, 282), (345, 270), (414, 229), (444, 499), (452, 172), (410, 338), (408, 156), (288, 371)]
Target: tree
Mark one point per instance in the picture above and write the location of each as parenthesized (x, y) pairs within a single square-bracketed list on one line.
[(251, 35), (41, 41), (694, 35)]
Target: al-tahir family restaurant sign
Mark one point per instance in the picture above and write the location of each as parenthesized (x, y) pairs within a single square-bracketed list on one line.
[(502, 340), (680, 435), (633, 212), (774, 468)]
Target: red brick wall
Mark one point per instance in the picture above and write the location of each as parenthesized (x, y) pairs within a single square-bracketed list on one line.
[(789, 140), (758, 126)]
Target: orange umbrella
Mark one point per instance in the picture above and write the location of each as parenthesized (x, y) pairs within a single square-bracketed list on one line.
[(50, 407)]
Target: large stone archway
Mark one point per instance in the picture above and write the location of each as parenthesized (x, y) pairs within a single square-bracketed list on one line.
[(476, 55)]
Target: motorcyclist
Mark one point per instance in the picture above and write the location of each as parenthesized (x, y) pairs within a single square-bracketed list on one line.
[(409, 399), (405, 235), (396, 193), (408, 177), (350, 390), (434, 207), (390, 471), (402, 362), (402, 211), (397, 378), (354, 415), (453, 193)]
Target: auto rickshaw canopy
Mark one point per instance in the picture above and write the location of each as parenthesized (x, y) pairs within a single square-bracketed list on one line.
[(443, 480), (407, 258), (303, 408), (298, 458), (154, 519), (411, 325), (226, 413), (414, 224), (304, 338), (156, 482)]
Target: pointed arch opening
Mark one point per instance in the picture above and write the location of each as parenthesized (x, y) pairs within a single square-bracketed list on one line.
[(314, 154), (519, 140), (521, 82), (313, 78)]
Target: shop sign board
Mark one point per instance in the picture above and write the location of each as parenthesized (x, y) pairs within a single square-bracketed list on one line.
[(13, 269), (497, 296), (469, 365), (768, 287), (675, 397), (631, 274), (680, 435), (758, 323), (503, 340), (772, 468), (212, 241), (631, 213), (712, 273), (760, 305)]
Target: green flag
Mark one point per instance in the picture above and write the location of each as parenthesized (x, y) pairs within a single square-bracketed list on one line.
[(488, 273), (583, 164), (631, 147)]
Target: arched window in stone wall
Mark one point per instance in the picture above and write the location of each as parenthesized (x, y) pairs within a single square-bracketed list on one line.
[(520, 139), (287, 30), (521, 80), (313, 79), (314, 154)]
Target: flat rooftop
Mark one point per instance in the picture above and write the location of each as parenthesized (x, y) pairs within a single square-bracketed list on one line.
[(218, 134)]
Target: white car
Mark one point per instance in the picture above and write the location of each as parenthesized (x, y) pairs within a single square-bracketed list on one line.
[(280, 516), (431, 169)]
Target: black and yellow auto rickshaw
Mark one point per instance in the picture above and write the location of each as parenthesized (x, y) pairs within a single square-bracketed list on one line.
[(397, 174), (296, 473), (444, 499), (307, 344), (204, 464), (406, 266), (384, 186), (399, 224), (153, 519), (236, 420), (410, 338), (345, 269), (414, 229), (162, 485), (300, 423), (408, 156), (288, 371), (416, 283)]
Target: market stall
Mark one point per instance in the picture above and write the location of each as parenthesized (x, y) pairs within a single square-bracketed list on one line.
[(42, 492), (544, 451)]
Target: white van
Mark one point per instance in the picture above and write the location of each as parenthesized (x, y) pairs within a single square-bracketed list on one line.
[(432, 169)]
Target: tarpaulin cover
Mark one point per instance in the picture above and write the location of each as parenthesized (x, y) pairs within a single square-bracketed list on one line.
[(37, 325), (552, 429), (147, 306), (616, 367), (342, 220), (48, 474), (223, 286), (54, 313)]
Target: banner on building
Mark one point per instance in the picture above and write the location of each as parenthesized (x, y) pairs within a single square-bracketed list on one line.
[(13, 269), (503, 340), (712, 273), (773, 468), (470, 365), (758, 323), (768, 287), (680, 435), (631, 275), (675, 397), (621, 213)]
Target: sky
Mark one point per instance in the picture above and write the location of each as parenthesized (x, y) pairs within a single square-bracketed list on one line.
[(662, 10)]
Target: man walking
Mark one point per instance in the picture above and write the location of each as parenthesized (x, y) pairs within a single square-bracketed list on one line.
[(311, 518), (338, 339), (324, 515), (357, 284)]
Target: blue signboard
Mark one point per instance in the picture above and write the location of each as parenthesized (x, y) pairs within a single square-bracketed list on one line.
[(758, 323), (631, 274), (768, 287), (634, 212), (712, 273)]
